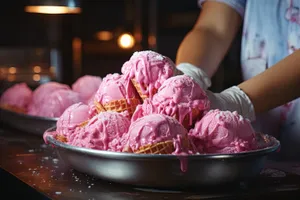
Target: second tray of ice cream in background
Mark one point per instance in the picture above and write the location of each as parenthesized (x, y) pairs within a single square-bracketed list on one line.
[(34, 111)]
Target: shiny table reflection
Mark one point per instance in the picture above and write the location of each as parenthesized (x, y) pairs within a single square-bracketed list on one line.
[(26, 157)]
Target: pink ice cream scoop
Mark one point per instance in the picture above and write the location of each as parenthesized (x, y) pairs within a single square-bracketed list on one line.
[(153, 129), (149, 69), (73, 117), (41, 94), (180, 97), (115, 87), (103, 132), (223, 132), (55, 103), (18, 96), (86, 86)]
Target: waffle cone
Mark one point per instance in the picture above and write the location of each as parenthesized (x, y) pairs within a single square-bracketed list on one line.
[(61, 138), (84, 123), (99, 107), (140, 91), (122, 105), (166, 147), (13, 108)]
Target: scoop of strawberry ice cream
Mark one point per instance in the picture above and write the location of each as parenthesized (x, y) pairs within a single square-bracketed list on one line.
[(223, 132), (155, 128), (103, 132), (19, 96), (148, 68), (41, 94), (86, 86), (55, 103), (72, 118), (115, 87), (179, 96)]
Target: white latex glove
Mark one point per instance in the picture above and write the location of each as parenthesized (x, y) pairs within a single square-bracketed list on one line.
[(196, 74), (232, 99)]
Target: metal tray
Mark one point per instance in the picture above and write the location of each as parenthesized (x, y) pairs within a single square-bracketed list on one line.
[(165, 171), (27, 123)]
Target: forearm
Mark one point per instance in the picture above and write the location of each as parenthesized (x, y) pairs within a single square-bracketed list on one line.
[(202, 48), (276, 86), (207, 43)]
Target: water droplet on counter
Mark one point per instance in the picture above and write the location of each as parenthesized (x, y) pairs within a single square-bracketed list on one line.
[(30, 150), (58, 193)]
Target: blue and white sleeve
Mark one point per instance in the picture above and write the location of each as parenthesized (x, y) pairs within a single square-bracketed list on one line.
[(237, 5)]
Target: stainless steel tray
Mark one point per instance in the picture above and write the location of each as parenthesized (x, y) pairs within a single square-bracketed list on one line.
[(164, 171), (28, 123)]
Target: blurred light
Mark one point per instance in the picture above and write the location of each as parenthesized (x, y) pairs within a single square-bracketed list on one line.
[(37, 69), (11, 77), (52, 9), (104, 35), (52, 69), (126, 41), (36, 77), (12, 70), (152, 40)]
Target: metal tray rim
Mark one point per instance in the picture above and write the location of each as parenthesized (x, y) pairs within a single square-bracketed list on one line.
[(29, 116), (122, 155)]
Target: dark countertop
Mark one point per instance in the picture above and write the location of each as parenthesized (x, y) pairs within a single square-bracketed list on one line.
[(32, 169)]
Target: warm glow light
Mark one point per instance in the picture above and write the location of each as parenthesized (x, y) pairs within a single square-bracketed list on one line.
[(11, 77), (52, 69), (104, 35), (37, 69), (12, 70), (126, 41), (36, 77), (52, 9), (152, 40)]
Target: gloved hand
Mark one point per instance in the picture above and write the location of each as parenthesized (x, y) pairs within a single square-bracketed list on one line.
[(232, 99), (196, 74)]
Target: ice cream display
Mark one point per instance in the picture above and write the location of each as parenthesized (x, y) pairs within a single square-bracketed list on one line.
[(148, 70), (55, 103), (180, 97), (86, 86), (116, 94), (223, 132), (157, 134), (103, 132), (16, 98)]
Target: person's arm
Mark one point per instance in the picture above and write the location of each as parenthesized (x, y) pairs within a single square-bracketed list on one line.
[(275, 86), (207, 43)]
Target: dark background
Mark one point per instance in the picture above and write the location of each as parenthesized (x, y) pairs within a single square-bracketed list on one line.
[(25, 38)]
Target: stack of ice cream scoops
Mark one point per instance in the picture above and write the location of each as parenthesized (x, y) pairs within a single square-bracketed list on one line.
[(149, 109), (49, 99)]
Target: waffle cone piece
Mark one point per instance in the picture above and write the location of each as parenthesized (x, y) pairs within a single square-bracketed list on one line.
[(166, 147), (122, 105), (99, 107), (13, 108), (140, 91), (61, 138)]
